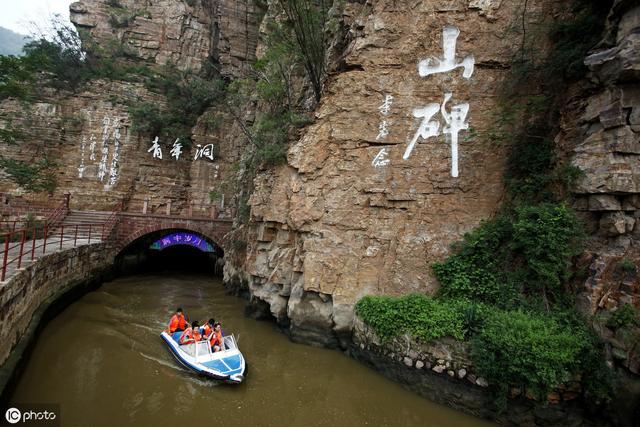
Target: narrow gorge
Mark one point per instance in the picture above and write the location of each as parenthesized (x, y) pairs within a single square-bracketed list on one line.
[(397, 180)]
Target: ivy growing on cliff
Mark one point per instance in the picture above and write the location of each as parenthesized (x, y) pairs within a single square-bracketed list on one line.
[(188, 95), (514, 259), (416, 314), (32, 176)]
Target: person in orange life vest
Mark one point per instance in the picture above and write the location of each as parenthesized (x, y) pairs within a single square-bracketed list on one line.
[(190, 335), (216, 338), (177, 322), (207, 329)]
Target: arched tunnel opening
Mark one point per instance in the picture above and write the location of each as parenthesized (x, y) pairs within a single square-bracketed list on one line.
[(171, 250)]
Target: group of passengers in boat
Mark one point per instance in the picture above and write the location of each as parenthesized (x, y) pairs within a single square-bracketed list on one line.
[(211, 331)]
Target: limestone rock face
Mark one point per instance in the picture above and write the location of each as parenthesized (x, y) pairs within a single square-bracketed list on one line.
[(603, 133), (374, 192), (185, 33), (79, 129)]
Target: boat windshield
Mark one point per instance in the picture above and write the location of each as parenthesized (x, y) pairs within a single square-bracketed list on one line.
[(230, 343), (203, 349)]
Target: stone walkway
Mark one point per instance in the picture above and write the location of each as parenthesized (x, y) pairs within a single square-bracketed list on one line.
[(53, 245)]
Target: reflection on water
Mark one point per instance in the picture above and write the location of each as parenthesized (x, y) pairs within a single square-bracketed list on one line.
[(103, 361)]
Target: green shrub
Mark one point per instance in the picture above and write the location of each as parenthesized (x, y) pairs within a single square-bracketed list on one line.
[(35, 176), (623, 316), (417, 314), (477, 271), (627, 265), (546, 237), (188, 96), (531, 351), (508, 259)]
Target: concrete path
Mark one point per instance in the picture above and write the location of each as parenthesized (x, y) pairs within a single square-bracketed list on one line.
[(53, 245)]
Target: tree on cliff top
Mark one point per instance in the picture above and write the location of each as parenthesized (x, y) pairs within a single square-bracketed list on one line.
[(308, 19)]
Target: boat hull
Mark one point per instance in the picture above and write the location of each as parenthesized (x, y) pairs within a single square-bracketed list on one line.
[(226, 366)]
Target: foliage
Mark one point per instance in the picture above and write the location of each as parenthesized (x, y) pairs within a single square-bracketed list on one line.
[(61, 63), (545, 237), (271, 83), (17, 79), (623, 316), (31, 176), (188, 96), (10, 134), (244, 209), (308, 20), (627, 265), (215, 195), (476, 271), (525, 254), (573, 39), (419, 315), (527, 350)]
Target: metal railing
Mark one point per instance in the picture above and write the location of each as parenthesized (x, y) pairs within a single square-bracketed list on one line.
[(24, 245)]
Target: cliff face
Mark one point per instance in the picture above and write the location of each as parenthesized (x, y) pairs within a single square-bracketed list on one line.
[(100, 161), (601, 136), (185, 33), (398, 164), (373, 193)]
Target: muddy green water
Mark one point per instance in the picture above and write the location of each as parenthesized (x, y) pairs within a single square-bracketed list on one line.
[(103, 361)]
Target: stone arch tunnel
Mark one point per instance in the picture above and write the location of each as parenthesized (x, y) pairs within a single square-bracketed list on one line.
[(177, 247)]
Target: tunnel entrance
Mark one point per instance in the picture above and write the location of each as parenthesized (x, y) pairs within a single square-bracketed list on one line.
[(172, 250)]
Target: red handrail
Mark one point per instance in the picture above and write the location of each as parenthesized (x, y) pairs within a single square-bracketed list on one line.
[(112, 219), (14, 254)]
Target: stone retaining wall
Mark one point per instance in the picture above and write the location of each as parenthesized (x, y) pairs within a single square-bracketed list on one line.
[(442, 371), (28, 294)]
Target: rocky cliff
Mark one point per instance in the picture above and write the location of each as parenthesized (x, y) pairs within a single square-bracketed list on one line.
[(87, 133), (399, 162), (397, 166), (601, 136)]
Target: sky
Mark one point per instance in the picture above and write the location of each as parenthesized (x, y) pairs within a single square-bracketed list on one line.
[(17, 15)]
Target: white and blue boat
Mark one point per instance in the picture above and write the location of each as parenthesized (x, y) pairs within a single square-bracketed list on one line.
[(226, 365)]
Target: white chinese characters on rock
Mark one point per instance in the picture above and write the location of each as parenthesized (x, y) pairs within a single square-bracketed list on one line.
[(176, 149), (381, 159), (102, 166), (448, 62), (155, 149), (113, 172), (201, 151), (82, 166), (454, 123), (383, 127), (206, 151), (111, 135), (455, 120)]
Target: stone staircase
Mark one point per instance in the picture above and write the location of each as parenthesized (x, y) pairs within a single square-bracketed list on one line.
[(86, 221)]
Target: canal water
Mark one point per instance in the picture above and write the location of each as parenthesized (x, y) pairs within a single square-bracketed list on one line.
[(103, 362)]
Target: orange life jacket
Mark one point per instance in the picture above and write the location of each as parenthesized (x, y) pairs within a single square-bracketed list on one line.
[(177, 322), (207, 331), (216, 338), (196, 334), (186, 336)]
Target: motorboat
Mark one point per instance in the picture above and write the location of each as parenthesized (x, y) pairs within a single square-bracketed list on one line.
[(226, 365)]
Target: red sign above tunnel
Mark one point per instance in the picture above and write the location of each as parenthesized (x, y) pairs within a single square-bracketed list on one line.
[(183, 238)]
